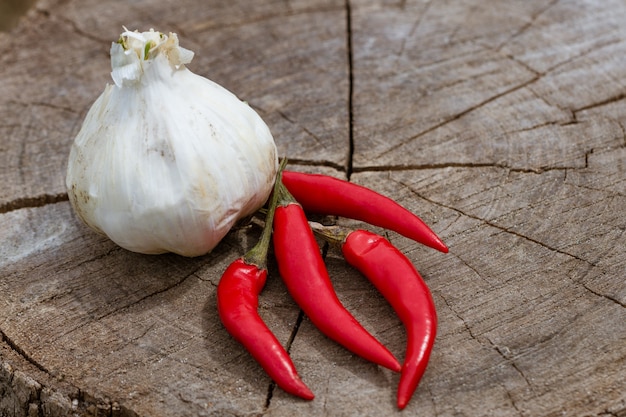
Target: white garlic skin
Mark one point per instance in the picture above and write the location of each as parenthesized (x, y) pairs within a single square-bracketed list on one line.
[(167, 160)]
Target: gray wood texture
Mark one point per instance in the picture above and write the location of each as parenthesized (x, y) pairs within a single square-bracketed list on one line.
[(501, 123)]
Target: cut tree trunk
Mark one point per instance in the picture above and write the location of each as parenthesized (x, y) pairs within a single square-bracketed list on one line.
[(501, 123)]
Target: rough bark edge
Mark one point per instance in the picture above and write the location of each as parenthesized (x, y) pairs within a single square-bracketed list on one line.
[(27, 391)]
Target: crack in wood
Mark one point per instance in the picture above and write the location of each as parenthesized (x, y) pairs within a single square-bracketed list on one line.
[(524, 28), (98, 257), (44, 104), (499, 350), (461, 114), (618, 97), (126, 306), (270, 394), (503, 353), (522, 64), (153, 294), (467, 327), (32, 202), (602, 190), (469, 165), (593, 48), (414, 28), (529, 239), (307, 162), (81, 32), (464, 262), (350, 53), (304, 128), (498, 227), (540, 74), (605, 296), (512, 400), (14, 347), (517, 234)]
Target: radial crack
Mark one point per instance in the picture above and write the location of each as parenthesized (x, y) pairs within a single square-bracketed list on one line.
[(608, 297), (529, 24), (415, 26), (458, 316), (528, 238), (307, 131), (609, 100), (387, 168), (350, 90), (129, 305), (503, 229), (461, 114)]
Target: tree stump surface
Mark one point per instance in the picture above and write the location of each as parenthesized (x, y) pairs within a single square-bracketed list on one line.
[(502, 124)]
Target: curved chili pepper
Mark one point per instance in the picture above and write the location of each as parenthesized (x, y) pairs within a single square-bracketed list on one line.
[(303, 270), (237, 304), (326, 195), (398, 281)]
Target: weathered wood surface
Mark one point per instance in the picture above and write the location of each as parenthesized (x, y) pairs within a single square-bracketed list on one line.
[(501, 123)]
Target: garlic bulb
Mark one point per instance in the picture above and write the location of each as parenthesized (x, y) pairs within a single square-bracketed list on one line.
[(166, 160)]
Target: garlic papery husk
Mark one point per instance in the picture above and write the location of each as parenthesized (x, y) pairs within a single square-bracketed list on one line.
[(167, 160)]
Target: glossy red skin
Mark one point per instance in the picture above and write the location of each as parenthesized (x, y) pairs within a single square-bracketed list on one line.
[(398, 281), (303, 270), (237, 303), (326, 195)]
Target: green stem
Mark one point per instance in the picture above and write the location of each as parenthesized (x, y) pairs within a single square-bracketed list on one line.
[(284, 196), (258, 254)]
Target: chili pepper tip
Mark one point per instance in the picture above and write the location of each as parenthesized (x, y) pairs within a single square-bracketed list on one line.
[(302, 391), (441, 247), (402, 403)]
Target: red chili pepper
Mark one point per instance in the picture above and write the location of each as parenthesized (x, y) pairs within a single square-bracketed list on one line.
[(398, 281), (303, 270), (237, 304), (326, 195)]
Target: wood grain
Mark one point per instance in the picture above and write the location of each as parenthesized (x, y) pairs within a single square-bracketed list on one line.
[(502, 124)]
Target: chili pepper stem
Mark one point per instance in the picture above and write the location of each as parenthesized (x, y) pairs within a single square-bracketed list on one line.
[(333, 235), (284, 196), (258, 254)]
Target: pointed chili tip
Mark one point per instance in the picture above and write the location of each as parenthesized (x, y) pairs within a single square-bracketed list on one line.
[(435, 242), (384, 358), (442, 247), (396, 367), (302, 391), (407, 387), (404, 397), (402, 402), (308, 395), (295, 386)]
